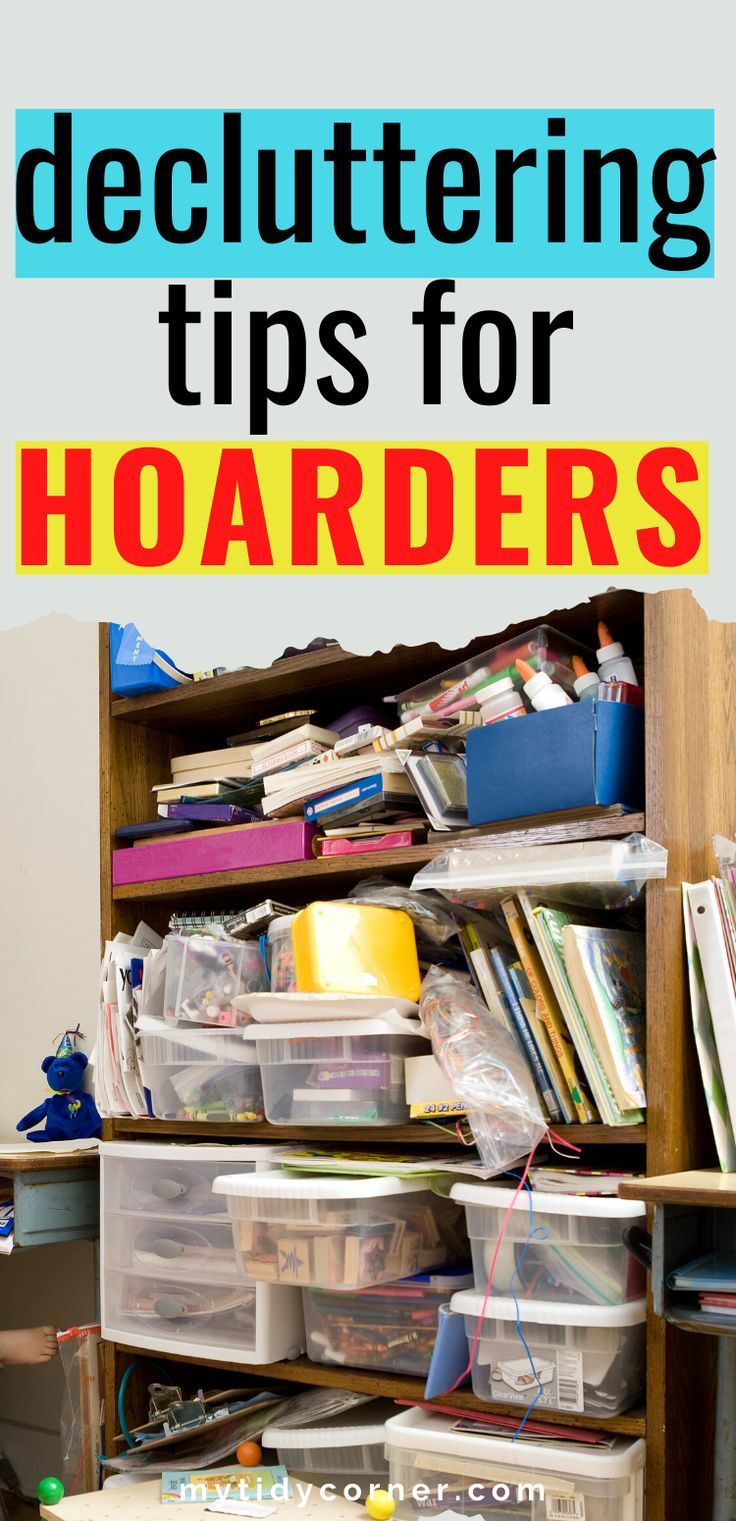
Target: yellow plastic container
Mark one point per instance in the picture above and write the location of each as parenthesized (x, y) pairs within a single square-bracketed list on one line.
[(355, 948)]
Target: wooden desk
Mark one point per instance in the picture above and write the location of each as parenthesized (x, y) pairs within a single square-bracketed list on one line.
[(56, 1195), (709, 1186), (142, 1502)]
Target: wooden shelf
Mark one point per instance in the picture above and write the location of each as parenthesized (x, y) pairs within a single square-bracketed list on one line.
[(396, 1386), (306, 875), (50, 1161), (714, 1189), (376, 1136)]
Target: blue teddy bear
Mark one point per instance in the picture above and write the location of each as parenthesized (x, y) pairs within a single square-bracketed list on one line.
[(70, 1114)]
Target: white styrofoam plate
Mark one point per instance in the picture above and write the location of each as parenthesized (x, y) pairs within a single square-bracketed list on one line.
[(292, 1008)]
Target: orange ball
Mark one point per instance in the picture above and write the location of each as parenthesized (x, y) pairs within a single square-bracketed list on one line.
[(248, 1454)]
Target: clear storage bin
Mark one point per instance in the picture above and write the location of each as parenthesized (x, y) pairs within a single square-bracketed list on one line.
[(392, 1327), (340, 1072), (584, 1358), (351, 1445), (494, 1476), (192, 1249), (204, 975), (172, 1182), (544, 647), (205, 1075), (577, 1255), (339, 1232), (281, 949)]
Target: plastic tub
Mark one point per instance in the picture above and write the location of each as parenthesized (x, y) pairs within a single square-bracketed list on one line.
[(491, 1476), (352, 1445), (543, 647), (204, 975), (281, 950), (190, 1250), (581, 1259), (208, 1075), (587, 1358), (230, 1321), (393, 1327), (355, 948), (172, 1182), (339, 1232), (339, 1072)]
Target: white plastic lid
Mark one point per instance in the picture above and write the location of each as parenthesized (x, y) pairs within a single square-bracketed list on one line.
[(279, 1185), (588, 679), (421, 1431), (193, 1046), (547, 1312), (490, 1196), (335, 1431), (536, 683), (609, 652), (388, 1024)]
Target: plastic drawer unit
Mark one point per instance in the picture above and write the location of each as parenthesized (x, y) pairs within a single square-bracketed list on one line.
[(584, 1358), (577, 1255), (337, 1072), (393, 1327), (170, 1276), (339, 1232), (438, 1469)]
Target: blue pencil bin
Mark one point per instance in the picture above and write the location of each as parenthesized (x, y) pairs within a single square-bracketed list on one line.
[(135, 667), (571, 757)]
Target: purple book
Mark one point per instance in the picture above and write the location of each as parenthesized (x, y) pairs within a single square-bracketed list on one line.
[(212, 813), (192, 855)]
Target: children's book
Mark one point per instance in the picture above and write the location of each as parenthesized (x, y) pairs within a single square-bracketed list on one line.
[(705, 1044), (207, 1484), (608, 977)]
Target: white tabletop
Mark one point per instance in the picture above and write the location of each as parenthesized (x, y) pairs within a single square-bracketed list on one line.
[(142, 1502)]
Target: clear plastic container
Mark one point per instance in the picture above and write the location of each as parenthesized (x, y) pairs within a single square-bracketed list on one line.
[(588, 1359), (172, 1183), (392, 1327), (491, 1476), (206, 1319), (192, 1250), (207, 1075), (352, 1445), (204, 975), (545, 648), (609, 872), (347, 1072), (577, 1255), (339, 1232), (281, 951), (355, 948)]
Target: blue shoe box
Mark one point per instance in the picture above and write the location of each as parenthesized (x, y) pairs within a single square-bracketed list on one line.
[(571, 757)]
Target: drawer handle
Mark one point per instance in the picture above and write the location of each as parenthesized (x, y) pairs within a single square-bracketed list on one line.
[(168, 1188), (169, 1308), (165, 1247)]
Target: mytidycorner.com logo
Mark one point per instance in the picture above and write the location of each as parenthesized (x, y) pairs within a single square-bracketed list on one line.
[(423, 1498)]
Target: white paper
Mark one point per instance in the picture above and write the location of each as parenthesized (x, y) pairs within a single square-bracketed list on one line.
[(242, 1508)]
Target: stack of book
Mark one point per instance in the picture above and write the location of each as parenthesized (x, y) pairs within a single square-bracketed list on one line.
[(573, 994), (710, 937)]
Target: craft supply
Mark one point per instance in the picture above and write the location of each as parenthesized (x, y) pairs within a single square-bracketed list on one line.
[(586, 682), (248, 1454), (380, 1505), (613, 664), (621, 691), (392, 1327), (340, 1072), (50, 1491), (281, 954), (205, 975), (542, 691), (500, 700), (355, 948), (200, 1074)]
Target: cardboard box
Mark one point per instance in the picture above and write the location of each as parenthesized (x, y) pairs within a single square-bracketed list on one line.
[(571, 757), (239, 848)]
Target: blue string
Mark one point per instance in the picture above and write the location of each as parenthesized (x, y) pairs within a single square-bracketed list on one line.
[(539, 1235)]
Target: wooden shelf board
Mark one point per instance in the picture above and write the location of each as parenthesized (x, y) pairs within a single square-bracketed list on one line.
[(334, 869), (50, 1161), (709, 1187), (376, 1136), (396, 1386)]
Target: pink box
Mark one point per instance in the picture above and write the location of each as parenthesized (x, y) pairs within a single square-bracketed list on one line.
[(236, 849)]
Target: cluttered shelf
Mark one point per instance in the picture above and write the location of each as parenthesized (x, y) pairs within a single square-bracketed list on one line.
[(302, 1370), (337, 869), (416, 1133)]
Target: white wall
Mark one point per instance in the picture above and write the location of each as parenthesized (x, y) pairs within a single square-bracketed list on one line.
[(49, 943)]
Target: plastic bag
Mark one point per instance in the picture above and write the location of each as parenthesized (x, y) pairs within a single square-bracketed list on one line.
[(80, 1409), (607, 873), (485, 1067), (428, 910)]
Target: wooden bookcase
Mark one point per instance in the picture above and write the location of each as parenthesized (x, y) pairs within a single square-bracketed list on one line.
[(689, 667)]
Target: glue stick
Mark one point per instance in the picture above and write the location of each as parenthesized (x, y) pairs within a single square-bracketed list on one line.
[(613, 664), (586, 682), (543, 693)]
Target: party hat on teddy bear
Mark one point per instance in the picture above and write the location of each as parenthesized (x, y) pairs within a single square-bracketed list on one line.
[(66, 1045)]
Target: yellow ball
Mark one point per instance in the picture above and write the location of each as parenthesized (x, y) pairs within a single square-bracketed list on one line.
[(379, 1505)]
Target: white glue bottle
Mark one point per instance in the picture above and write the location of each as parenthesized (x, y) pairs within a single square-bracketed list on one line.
[(613, 664), (543, 693), (586, 682)]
